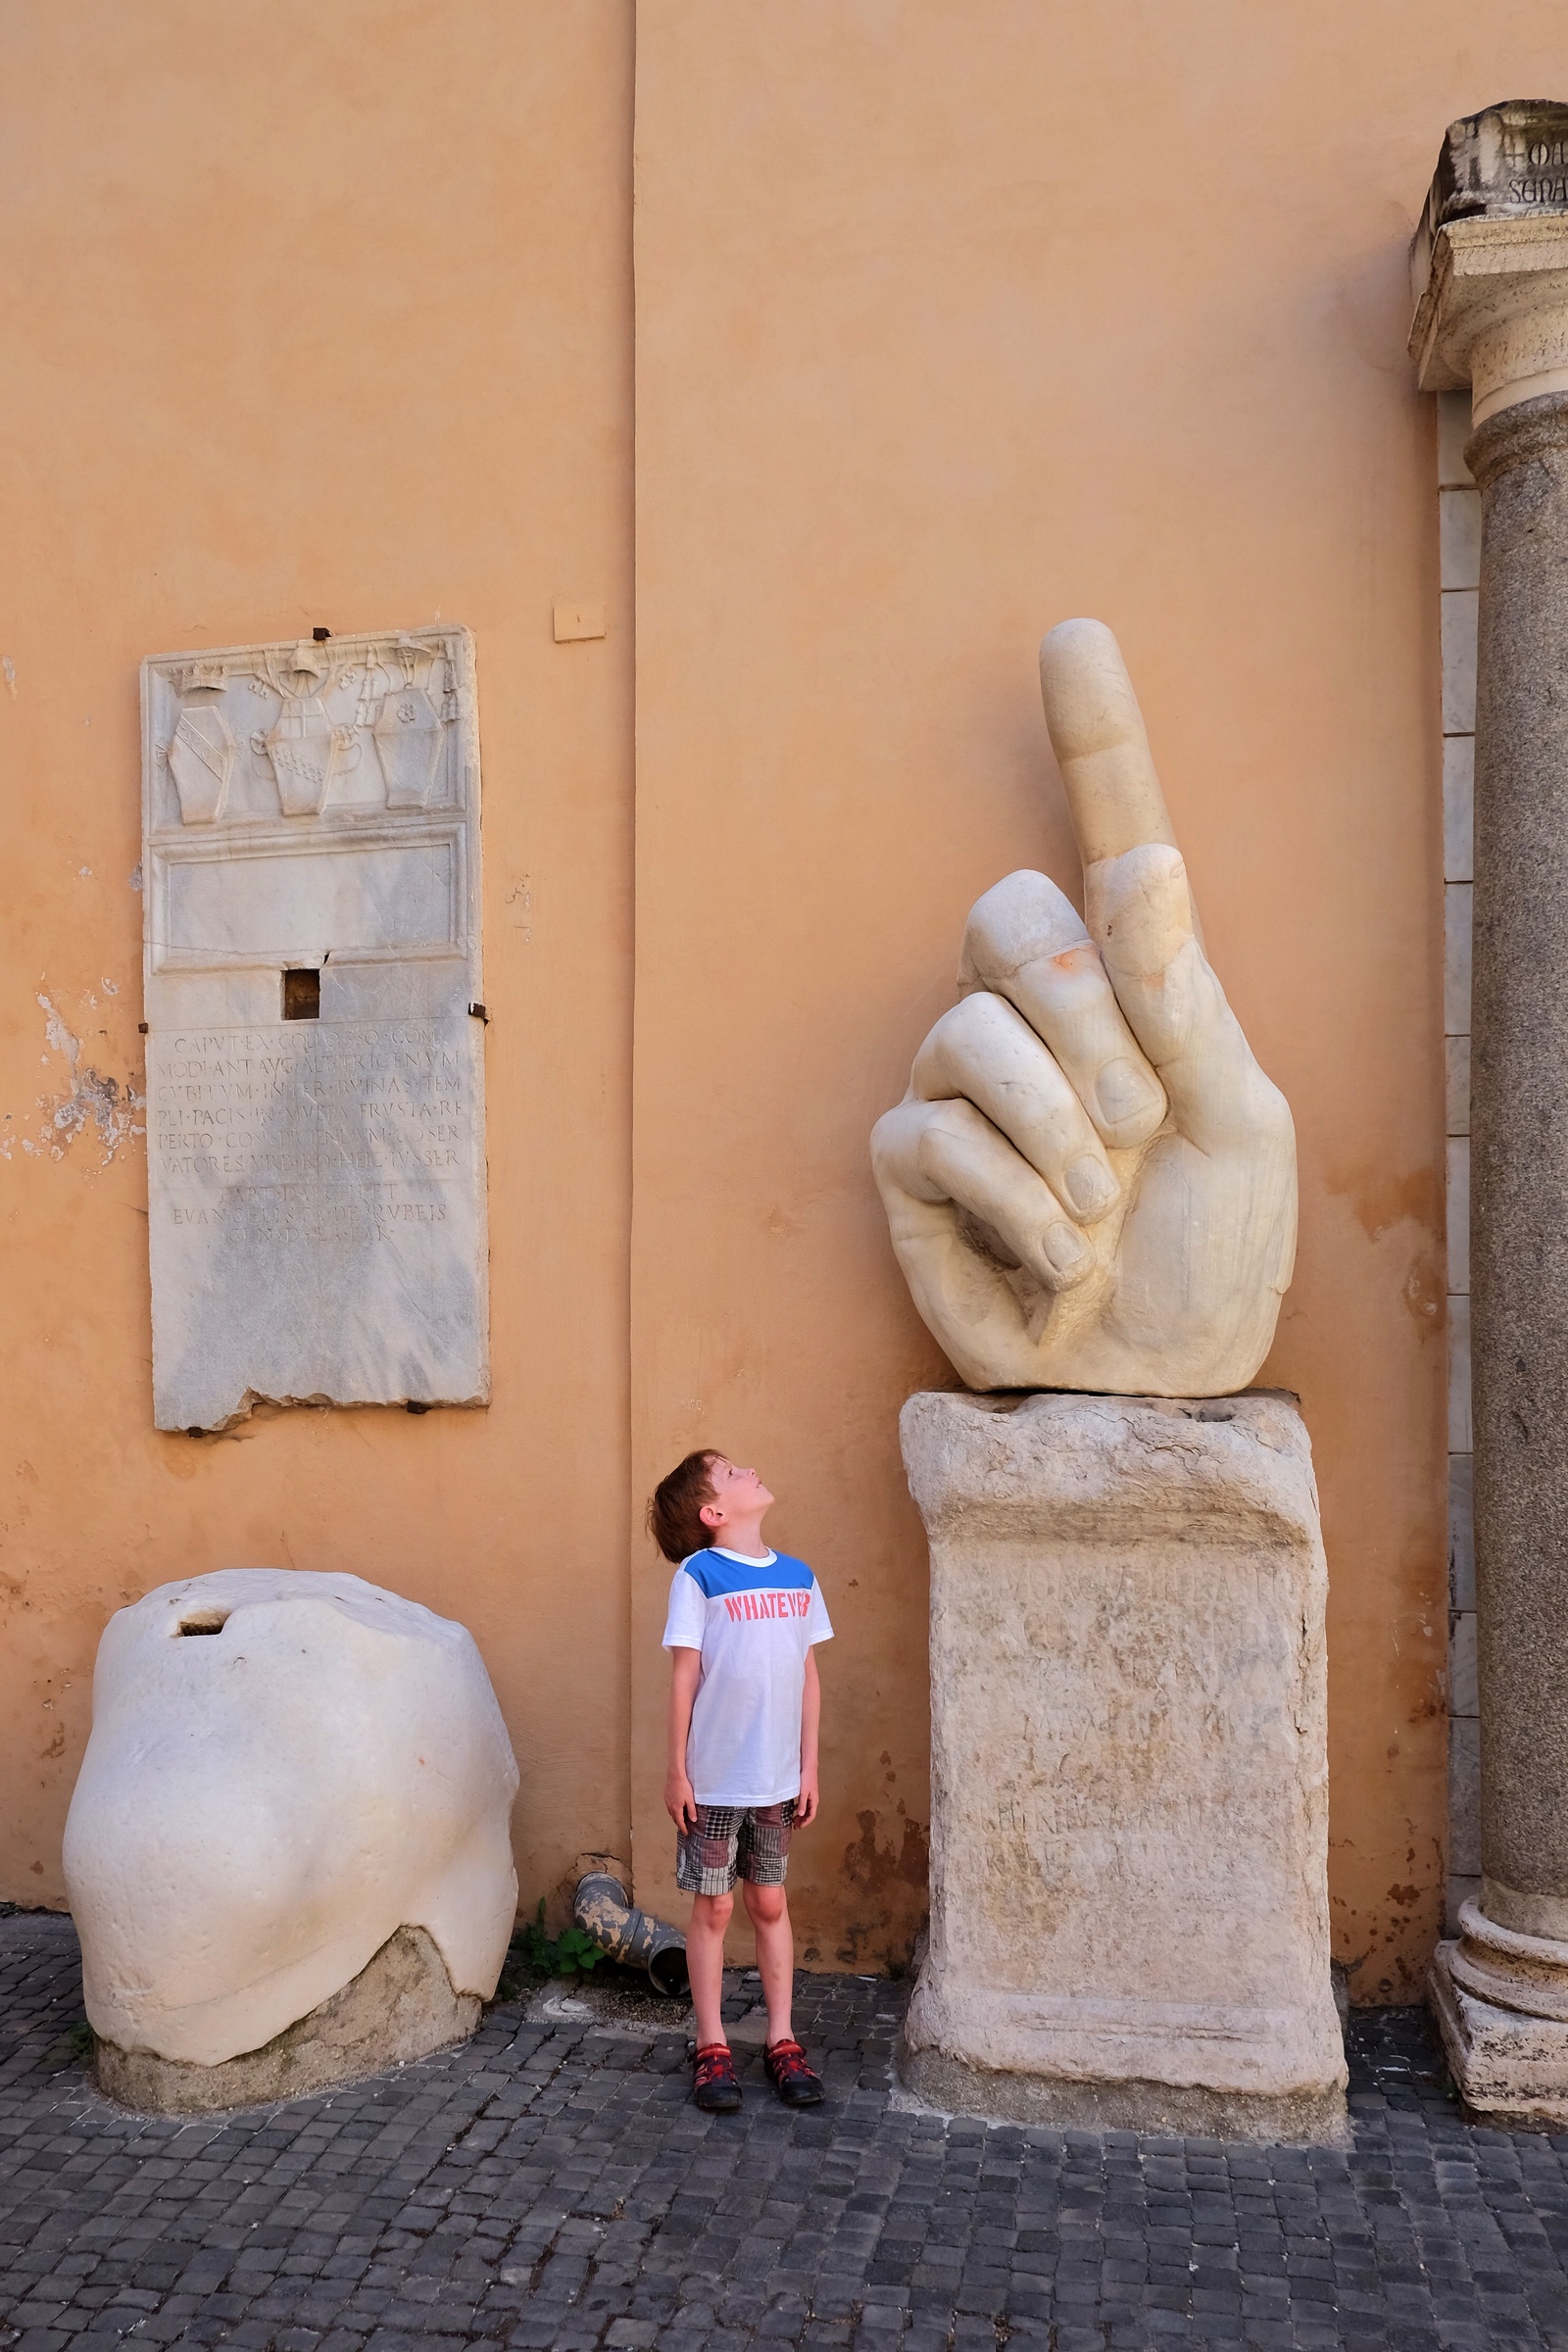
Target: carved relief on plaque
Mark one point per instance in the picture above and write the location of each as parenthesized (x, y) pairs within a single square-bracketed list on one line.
[(407, 733), (201, 757), (315, 1076)]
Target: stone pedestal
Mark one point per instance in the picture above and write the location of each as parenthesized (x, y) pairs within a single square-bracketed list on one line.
[(1128, 1923), (1493, 313)]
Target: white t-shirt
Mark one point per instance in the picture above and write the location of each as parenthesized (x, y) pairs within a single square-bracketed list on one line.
[(753, 1622)]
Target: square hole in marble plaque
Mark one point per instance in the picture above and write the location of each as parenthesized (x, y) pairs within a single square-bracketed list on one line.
[(302, 996)]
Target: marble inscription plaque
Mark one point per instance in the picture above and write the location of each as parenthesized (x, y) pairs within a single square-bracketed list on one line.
[(315, 1076)]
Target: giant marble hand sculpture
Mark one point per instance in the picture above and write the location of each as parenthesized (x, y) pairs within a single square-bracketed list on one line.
[(1089, 1182)]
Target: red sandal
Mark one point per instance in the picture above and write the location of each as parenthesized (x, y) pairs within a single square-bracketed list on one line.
[(796, 2085), (715, 2086)]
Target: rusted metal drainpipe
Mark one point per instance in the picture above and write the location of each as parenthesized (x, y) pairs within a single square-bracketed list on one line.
[(626, 1934)]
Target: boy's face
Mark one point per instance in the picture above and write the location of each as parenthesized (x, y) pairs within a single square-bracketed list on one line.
[(737, 1494)]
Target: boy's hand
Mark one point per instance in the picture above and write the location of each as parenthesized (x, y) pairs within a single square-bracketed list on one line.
[(680, 1800), (806, 1803)]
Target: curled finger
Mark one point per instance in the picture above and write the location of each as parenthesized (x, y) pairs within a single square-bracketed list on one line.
[(985, 1051), (1025, 942), (950, 1152)]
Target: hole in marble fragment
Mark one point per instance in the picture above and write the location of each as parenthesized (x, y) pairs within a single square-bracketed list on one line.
[(302, 996), (203, 1621)]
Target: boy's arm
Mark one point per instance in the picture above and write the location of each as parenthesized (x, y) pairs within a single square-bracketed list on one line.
[(686, 1672), (810, 1721)]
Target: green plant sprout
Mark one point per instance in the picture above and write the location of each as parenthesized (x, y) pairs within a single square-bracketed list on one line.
[(570, 1953)]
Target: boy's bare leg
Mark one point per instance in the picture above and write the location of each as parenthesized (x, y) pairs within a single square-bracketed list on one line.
[(705, 1964), (769, 1915)]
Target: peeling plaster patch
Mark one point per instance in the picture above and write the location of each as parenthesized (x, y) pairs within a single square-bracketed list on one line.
[(92, 1099), (85, 871), (9, 668), (111, 988), (134, 877), (59, 1036)]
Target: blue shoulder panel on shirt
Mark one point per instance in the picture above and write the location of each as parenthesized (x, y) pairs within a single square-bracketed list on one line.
[(714, 1576)]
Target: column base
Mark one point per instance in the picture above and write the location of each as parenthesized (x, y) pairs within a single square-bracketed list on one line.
[(1510, 2068)]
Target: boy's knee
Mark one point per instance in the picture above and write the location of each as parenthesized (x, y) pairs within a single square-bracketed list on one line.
[(713, 1909), (765, 1905)]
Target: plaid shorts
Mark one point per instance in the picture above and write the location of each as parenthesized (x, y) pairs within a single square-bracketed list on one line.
[(734, 1842)]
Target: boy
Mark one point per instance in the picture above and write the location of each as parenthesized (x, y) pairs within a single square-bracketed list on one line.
[(744, 1707)]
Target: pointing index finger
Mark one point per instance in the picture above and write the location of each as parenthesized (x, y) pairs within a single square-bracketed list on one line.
[(1097, 732)]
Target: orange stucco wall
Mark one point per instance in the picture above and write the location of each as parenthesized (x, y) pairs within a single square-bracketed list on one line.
[(953, 321), (319, 315), (886, 335)]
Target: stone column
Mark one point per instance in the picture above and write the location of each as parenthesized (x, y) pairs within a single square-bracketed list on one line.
[(1491, 261)]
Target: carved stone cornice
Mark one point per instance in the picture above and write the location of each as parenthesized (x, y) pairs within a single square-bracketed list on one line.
[(1489, 260)]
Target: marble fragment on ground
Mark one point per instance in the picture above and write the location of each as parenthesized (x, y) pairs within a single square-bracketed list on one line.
[(315, 1076), (288, 1851), (1129, 1922)]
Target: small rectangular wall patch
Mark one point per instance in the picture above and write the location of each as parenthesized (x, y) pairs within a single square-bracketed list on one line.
[(315, 1078), (574, 622)]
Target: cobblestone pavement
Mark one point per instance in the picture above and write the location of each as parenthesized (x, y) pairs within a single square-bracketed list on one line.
[(549, 2185)]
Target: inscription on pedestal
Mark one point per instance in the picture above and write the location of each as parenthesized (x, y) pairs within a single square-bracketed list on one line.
[(315, 1076)]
